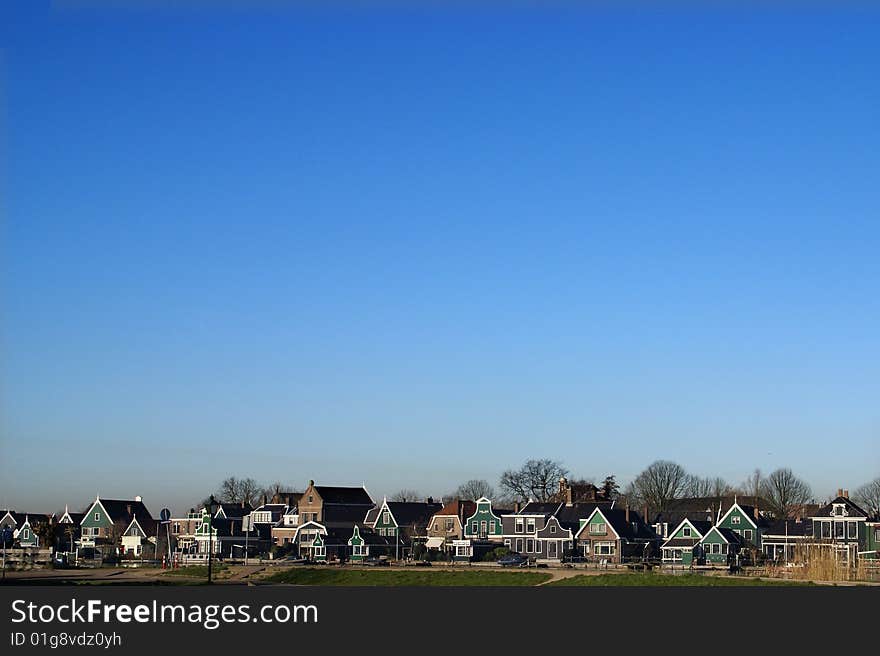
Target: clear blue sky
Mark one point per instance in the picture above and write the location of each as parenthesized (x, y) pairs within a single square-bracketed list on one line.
[(412, 248)]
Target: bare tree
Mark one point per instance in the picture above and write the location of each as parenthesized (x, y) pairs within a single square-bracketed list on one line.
[(474, 489), (707, 486), (754, 484), (405, 495), (661, 482), (537, 480), (238, 490), (785, 491), (868, 496)]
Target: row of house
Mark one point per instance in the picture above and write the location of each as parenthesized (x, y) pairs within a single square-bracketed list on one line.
[(578, 523)]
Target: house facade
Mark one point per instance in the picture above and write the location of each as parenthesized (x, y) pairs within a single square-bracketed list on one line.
[(617, 535), (106, 520)]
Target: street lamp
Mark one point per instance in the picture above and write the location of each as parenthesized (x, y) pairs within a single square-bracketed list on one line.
[(212, 505)]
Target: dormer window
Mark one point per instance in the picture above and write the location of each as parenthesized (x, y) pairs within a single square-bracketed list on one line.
[(686, 532)]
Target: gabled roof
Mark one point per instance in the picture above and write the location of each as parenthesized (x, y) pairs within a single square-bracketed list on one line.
[(728, 535), (122, 510), (412, 513), (346, 495), (700, 528), (540, 508), (632, 528), (237, 510), (339, 513), (370, 537), (459, 508), (852, 508), (33, 518)]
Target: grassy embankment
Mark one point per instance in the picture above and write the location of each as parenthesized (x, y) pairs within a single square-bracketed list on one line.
[(394, 577)]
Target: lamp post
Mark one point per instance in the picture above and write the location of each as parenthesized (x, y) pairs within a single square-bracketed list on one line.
[(211, 505)]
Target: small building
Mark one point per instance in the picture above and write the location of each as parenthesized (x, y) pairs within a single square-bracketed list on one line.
[(721, 546), (682, 546), (617, 536)]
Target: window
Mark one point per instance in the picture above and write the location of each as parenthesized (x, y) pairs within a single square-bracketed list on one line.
[(450, 524), (553, 528), (747, 534), (474, 527), (598, 528), (492, 526), (530, 525), (604, 549), (530, 545), (686, 532), (838, 529), (357, 550), (716, 548), (386, 517), (507, 542), (877, 534), (519, 545), (734, 519), (463, 550), (320, 551), (483, 526), (97, 517), (852, 530), (519, 525), (311, 499), (826, 529)]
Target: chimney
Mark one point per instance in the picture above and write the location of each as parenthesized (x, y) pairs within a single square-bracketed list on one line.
[(128, 508), (516, 506), (430, 499), (846, 494), (138, 498), (627, 512), (646, 513), (757, 514), (242, 503), (840, 492)]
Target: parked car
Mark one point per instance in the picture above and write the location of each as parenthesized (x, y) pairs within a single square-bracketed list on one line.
[(373, 561), (513, 560)]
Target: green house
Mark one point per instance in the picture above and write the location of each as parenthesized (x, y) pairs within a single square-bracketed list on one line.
[(720, 546), (357, 546), (682, 546), (484, 524), (745, 521)]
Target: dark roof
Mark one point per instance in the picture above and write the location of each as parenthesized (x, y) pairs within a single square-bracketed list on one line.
[(338, 513), (853, 509), (571, 516), (235, 509), (76, 517), (731, 536), (409, 513), (33, 518), (370, 537), (702, 508), (790, 527), (540, 508), (346, 495), (759, 519), (632, 529), (123, 510)]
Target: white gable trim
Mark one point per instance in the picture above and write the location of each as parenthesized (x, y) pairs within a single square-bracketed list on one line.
[(742, 512), (96, 502)]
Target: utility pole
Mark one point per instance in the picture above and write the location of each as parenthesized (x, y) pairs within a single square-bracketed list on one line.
[(210, 535)]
